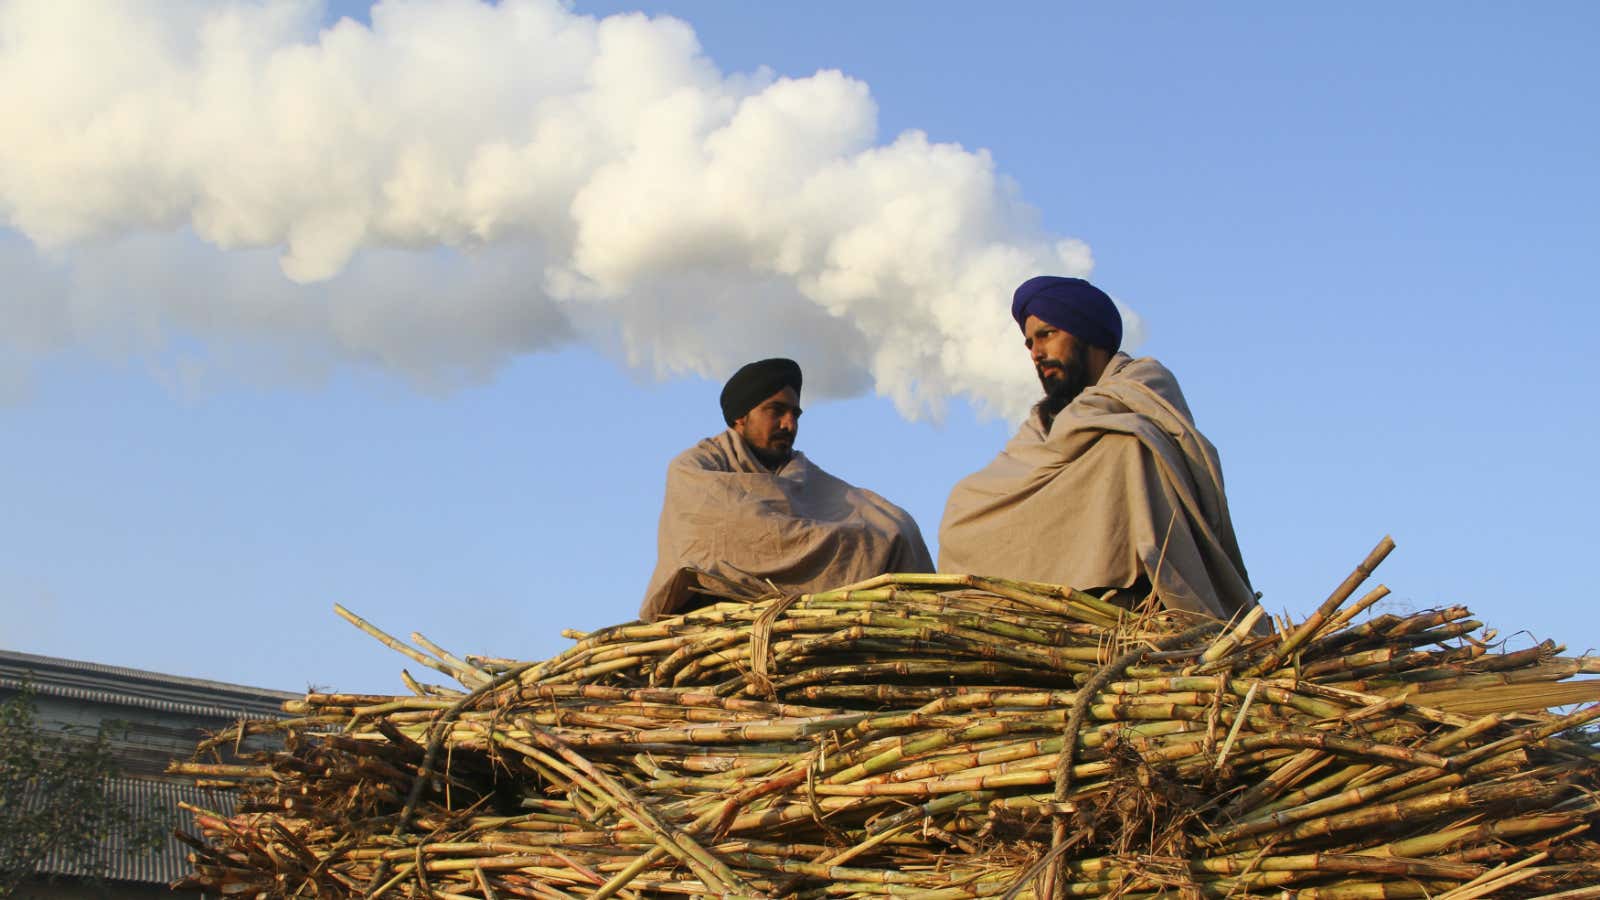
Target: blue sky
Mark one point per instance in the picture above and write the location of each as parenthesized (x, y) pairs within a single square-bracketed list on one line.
[(1361, 236)]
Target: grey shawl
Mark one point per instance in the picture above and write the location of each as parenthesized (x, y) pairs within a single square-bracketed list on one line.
[(1122, 486), (799, 528)]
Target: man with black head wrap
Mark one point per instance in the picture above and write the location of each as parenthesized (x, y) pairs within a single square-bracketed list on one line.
[(746, 507), (761, 402), (1107, 484)]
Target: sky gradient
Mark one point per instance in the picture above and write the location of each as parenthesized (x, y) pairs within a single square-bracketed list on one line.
[(1362, 237)]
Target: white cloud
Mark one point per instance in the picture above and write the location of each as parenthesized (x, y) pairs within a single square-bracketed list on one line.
[(463, 182)]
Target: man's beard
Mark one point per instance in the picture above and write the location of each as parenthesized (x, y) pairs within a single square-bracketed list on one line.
[(774, 457), (1061, 386)]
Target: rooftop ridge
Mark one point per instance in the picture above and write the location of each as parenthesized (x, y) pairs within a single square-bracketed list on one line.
[(136, 687)]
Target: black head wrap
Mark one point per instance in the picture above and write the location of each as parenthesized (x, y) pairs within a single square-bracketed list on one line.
[(755, 382)]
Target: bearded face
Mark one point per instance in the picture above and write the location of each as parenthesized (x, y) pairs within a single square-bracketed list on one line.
[(1063, 363), (770, 427), (1063, 380)]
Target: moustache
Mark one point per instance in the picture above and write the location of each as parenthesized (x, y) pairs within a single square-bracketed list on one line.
[(1052, 371)]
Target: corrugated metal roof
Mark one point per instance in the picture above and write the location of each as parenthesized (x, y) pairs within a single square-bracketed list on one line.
[(97, 683), (147, 797)]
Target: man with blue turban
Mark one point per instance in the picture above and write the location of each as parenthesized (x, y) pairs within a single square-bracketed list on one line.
[(746, 512), (1107, 486)]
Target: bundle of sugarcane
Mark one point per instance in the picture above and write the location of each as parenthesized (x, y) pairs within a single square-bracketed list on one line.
[(939, 736)]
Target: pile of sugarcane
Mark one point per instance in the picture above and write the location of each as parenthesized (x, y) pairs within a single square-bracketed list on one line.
[(938, 736)]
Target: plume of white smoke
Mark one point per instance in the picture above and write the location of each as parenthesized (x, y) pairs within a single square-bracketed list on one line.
[(461, 182)]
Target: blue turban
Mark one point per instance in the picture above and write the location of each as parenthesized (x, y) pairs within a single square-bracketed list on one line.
[(1072, 305)]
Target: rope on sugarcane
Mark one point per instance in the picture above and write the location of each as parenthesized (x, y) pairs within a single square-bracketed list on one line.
[(1056, 872), (1033, 872), (760, 679)]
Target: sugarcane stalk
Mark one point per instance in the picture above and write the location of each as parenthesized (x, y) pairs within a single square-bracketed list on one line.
[(1319, 618), (911, 749)]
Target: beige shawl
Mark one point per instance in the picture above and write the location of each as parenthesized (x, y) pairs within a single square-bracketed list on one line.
[(799, 528), (1123, 486)]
